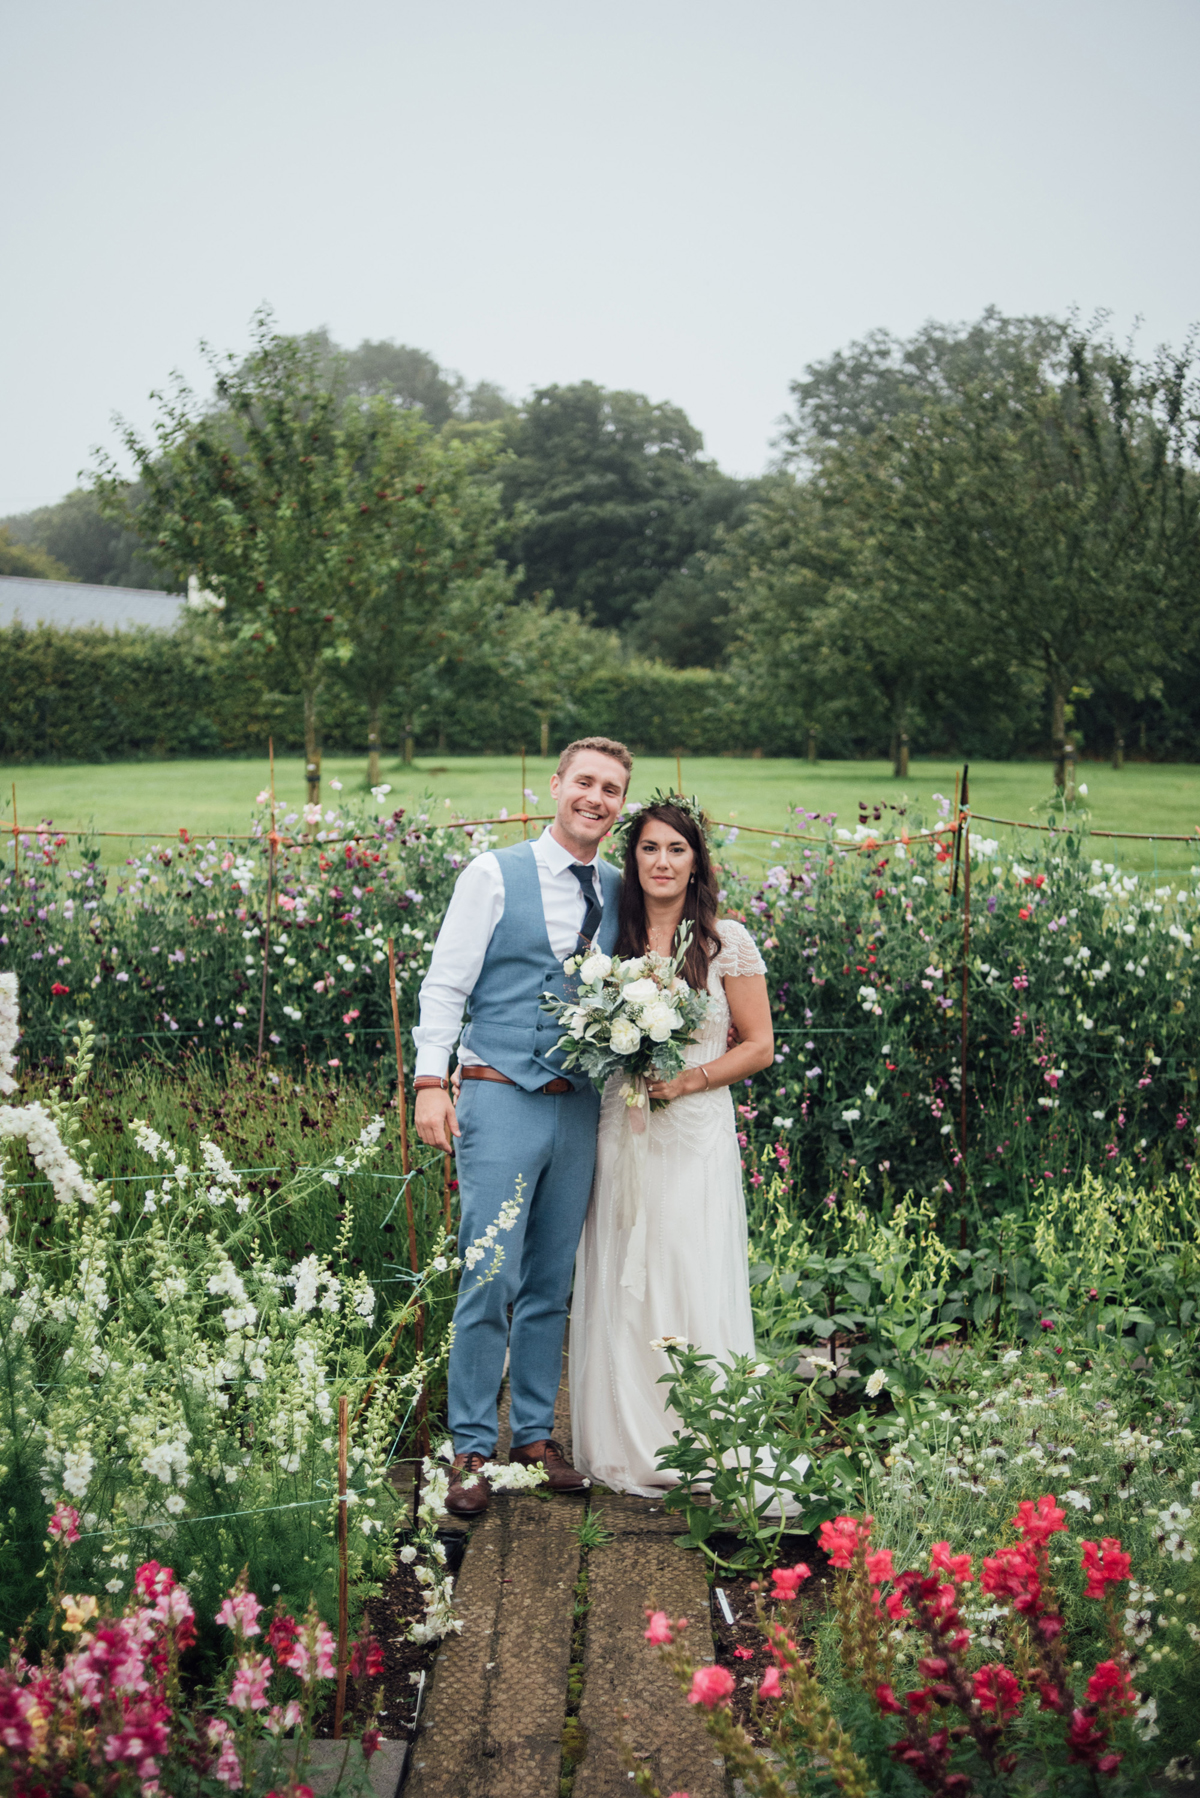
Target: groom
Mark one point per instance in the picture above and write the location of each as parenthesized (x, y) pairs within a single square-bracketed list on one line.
[(515, 916)]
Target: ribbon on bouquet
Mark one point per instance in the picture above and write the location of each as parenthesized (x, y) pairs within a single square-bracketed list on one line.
[(629, 1182)]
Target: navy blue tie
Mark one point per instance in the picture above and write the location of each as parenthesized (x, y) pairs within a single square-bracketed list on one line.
[(591, 918)]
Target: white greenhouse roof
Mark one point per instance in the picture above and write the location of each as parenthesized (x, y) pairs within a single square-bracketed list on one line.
[(73, 604)]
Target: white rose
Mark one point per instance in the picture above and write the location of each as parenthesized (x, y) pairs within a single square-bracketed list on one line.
[(657, 1022), (625, 1036), (632, 970), (640, 992), (595, 967)]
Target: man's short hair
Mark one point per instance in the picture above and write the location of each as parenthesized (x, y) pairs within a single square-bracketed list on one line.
[(602, 746)]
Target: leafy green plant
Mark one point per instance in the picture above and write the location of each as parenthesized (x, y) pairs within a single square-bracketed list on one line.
[(756, 1453)]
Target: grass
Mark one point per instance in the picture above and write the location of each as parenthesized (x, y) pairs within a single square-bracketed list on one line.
[(214, 797)]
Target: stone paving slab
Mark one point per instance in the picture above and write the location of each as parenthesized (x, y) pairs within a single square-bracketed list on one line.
[(632, 1708), (493, 1724)]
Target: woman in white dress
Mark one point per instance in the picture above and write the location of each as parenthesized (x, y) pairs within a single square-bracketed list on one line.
[(692, 1281)]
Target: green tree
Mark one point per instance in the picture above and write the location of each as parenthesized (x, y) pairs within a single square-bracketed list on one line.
[(423, 570), (881, 378), (618, 496), (21, 559), (257, 497), (91, 547), (547, 654), (1049, 512)]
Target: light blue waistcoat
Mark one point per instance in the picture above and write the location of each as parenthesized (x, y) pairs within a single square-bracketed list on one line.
[(507, 1028)]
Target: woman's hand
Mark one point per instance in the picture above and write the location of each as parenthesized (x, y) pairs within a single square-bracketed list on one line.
[(689, 1081)]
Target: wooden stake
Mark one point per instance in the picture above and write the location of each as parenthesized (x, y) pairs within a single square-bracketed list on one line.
[(524, 807), (679, 772), (16, 838), (343, 1569), (447, 1164), (272, 840)]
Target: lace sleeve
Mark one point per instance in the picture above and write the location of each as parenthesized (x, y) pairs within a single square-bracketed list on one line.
[(739, 955)]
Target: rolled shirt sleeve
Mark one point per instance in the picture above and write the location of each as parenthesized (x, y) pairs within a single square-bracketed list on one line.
[(473, 913)]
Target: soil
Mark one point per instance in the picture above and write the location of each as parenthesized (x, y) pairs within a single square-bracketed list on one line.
[(389, 1616), (742, 1647)]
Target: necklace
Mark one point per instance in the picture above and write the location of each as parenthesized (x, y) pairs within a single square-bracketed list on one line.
[(654, 948)]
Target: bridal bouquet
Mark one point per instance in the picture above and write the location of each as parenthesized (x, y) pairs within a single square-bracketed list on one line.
[(630, 1017)]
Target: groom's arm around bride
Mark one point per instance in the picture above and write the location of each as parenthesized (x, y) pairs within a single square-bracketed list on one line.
[(515, 916)]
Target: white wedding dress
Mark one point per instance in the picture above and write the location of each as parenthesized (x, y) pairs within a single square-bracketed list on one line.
[(696, 1274)]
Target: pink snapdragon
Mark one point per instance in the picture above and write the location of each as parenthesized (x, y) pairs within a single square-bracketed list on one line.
[(711, 1686), (64, 1524), (240, 1612), (249, 1689)]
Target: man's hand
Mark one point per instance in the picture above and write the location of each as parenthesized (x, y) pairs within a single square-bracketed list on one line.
[(435, 1118)]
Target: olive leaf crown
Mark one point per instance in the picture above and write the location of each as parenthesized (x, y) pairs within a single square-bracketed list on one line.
[(637, 807)]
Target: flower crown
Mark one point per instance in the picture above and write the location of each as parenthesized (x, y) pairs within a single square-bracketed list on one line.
[(635, 808)]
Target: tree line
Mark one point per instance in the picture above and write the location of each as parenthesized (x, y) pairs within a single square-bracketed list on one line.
[(984, 538)]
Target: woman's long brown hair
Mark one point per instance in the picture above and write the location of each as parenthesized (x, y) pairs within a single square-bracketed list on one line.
[(699, 903)]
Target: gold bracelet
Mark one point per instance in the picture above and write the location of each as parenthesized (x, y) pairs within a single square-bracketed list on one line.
[(707, 1081)]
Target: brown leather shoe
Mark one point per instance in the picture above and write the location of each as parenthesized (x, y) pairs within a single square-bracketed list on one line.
[(468, 1500), (560, 1475)]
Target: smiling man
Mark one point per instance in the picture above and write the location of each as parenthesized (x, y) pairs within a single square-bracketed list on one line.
[(515, 917)]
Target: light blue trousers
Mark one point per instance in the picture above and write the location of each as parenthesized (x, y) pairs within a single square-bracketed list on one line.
[(550, 1142)]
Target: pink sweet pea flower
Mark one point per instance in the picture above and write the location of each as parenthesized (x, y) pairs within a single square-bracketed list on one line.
[(660, 1631)]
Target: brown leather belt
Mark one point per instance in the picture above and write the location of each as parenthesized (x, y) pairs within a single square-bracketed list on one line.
[(553, 1087)]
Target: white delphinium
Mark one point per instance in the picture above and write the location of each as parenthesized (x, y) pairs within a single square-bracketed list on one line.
[(222, 1176), (49, 1153), (10, 1031)]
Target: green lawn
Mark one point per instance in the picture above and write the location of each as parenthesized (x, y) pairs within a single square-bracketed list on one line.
[(215, 796)]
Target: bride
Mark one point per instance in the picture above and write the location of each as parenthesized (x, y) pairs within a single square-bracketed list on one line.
[(682, 1270)]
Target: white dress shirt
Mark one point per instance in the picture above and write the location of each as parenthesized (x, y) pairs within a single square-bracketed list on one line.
[(475, 909)]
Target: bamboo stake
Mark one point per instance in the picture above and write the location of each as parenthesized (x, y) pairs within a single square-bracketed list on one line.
[(679, 772), (406, 1165), (343, 1569), (272, 841), (401, 1096), (960, 800), (962, 1063), (524, 813), (448, 1162)]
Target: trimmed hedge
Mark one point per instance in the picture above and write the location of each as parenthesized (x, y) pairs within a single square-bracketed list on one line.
[(94, 695)]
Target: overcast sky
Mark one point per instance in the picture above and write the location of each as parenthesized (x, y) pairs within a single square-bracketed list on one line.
[(685, 198)]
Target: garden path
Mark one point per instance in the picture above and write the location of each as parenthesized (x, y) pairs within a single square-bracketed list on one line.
[(550, 1689)]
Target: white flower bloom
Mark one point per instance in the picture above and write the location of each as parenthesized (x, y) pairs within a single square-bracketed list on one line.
[(640, 992), (1079, 1500), (876, 1383), (624, 1037), (667, 1342), (595, 967), (10, 1013)]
